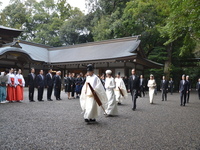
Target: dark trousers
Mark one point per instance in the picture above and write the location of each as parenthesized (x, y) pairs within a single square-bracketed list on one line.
[(73, 91), (183, 97), (49, 92), (171, 90), (187, 96), (142, 91), (57, 91), (134, 98), (164, 95), (31, 93), (40, 93), (199, 94)]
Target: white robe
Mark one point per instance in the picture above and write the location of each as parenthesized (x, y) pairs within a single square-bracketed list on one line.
[(89, 106), (20, 76), (151, 84), (120, 84), (112, 104)]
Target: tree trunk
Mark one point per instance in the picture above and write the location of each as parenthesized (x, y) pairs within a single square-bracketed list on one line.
[(167, 66)]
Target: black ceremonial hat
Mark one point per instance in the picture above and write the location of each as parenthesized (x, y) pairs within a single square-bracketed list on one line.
[(90, 67), (118, 73)]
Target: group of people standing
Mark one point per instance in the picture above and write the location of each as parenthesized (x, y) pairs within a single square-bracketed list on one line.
[(11, 86)]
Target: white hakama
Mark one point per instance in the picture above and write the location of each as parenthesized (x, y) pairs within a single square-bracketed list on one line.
[(120, 84), (151, 84), (112, 104), (89, 106)]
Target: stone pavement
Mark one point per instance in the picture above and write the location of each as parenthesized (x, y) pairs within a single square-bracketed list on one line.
[(59, 125)]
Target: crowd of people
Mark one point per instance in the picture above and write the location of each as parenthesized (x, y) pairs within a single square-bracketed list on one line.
[(110, 90)]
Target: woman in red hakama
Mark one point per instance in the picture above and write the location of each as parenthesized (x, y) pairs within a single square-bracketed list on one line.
[(20, 82), (11, 95)]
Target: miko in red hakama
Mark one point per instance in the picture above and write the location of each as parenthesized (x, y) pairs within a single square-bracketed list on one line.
[(11, 91), (20, 83), (19, 91)]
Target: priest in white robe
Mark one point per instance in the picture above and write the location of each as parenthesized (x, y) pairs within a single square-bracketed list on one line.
[(120, 86), (110, 86), (89, 105)]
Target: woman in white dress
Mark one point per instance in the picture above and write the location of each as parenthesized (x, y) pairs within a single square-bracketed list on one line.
[(110, 85), (151, 84)]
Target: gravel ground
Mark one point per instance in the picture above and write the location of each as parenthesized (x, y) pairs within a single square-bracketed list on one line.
[(59, 125)]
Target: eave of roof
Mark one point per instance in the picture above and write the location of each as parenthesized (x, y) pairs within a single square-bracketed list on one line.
[(11, 29)]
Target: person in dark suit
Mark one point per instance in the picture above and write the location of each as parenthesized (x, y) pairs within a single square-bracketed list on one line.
[(57, 85), (73, 85), (198, 87), (142, 85), (183, 89), (31, 84), (171, 85), (68, 84), (189, 89), (133, 87), (164, 88), (49, 84), (40, 81)]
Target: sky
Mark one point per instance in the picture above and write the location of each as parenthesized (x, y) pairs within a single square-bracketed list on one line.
[(74, 3)]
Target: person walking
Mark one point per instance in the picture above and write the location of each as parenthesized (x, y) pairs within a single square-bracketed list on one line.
[(110, 86), (152, 85), (120, 90), (142, 85), (189, 89), (11, 90), (133, 87), (164, 88), (88, 103), (171, 86), (198, 88), (183, 90)]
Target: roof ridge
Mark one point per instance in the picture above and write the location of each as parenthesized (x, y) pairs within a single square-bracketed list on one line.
[(97, 43), (34, 44)]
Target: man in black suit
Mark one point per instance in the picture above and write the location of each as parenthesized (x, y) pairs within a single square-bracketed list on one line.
[(198, 87), (40, 85), (31, 84), (49, 84), (133, 87), (189, 89), (164, 88), (142, 85), (183, 89), (57, 85), (171, 85)]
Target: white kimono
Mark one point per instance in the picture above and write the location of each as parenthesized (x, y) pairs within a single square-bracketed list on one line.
[(112, 104), (19, 76), (151, 84), (120, 84), (89, 106)]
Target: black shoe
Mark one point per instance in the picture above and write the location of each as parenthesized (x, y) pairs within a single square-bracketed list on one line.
[(183, 104), (133, 109), (119, 103), (59, 98), (50, 100), (87, 120), (32, 101), (162, 100), (40, 100), (92, 120)]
